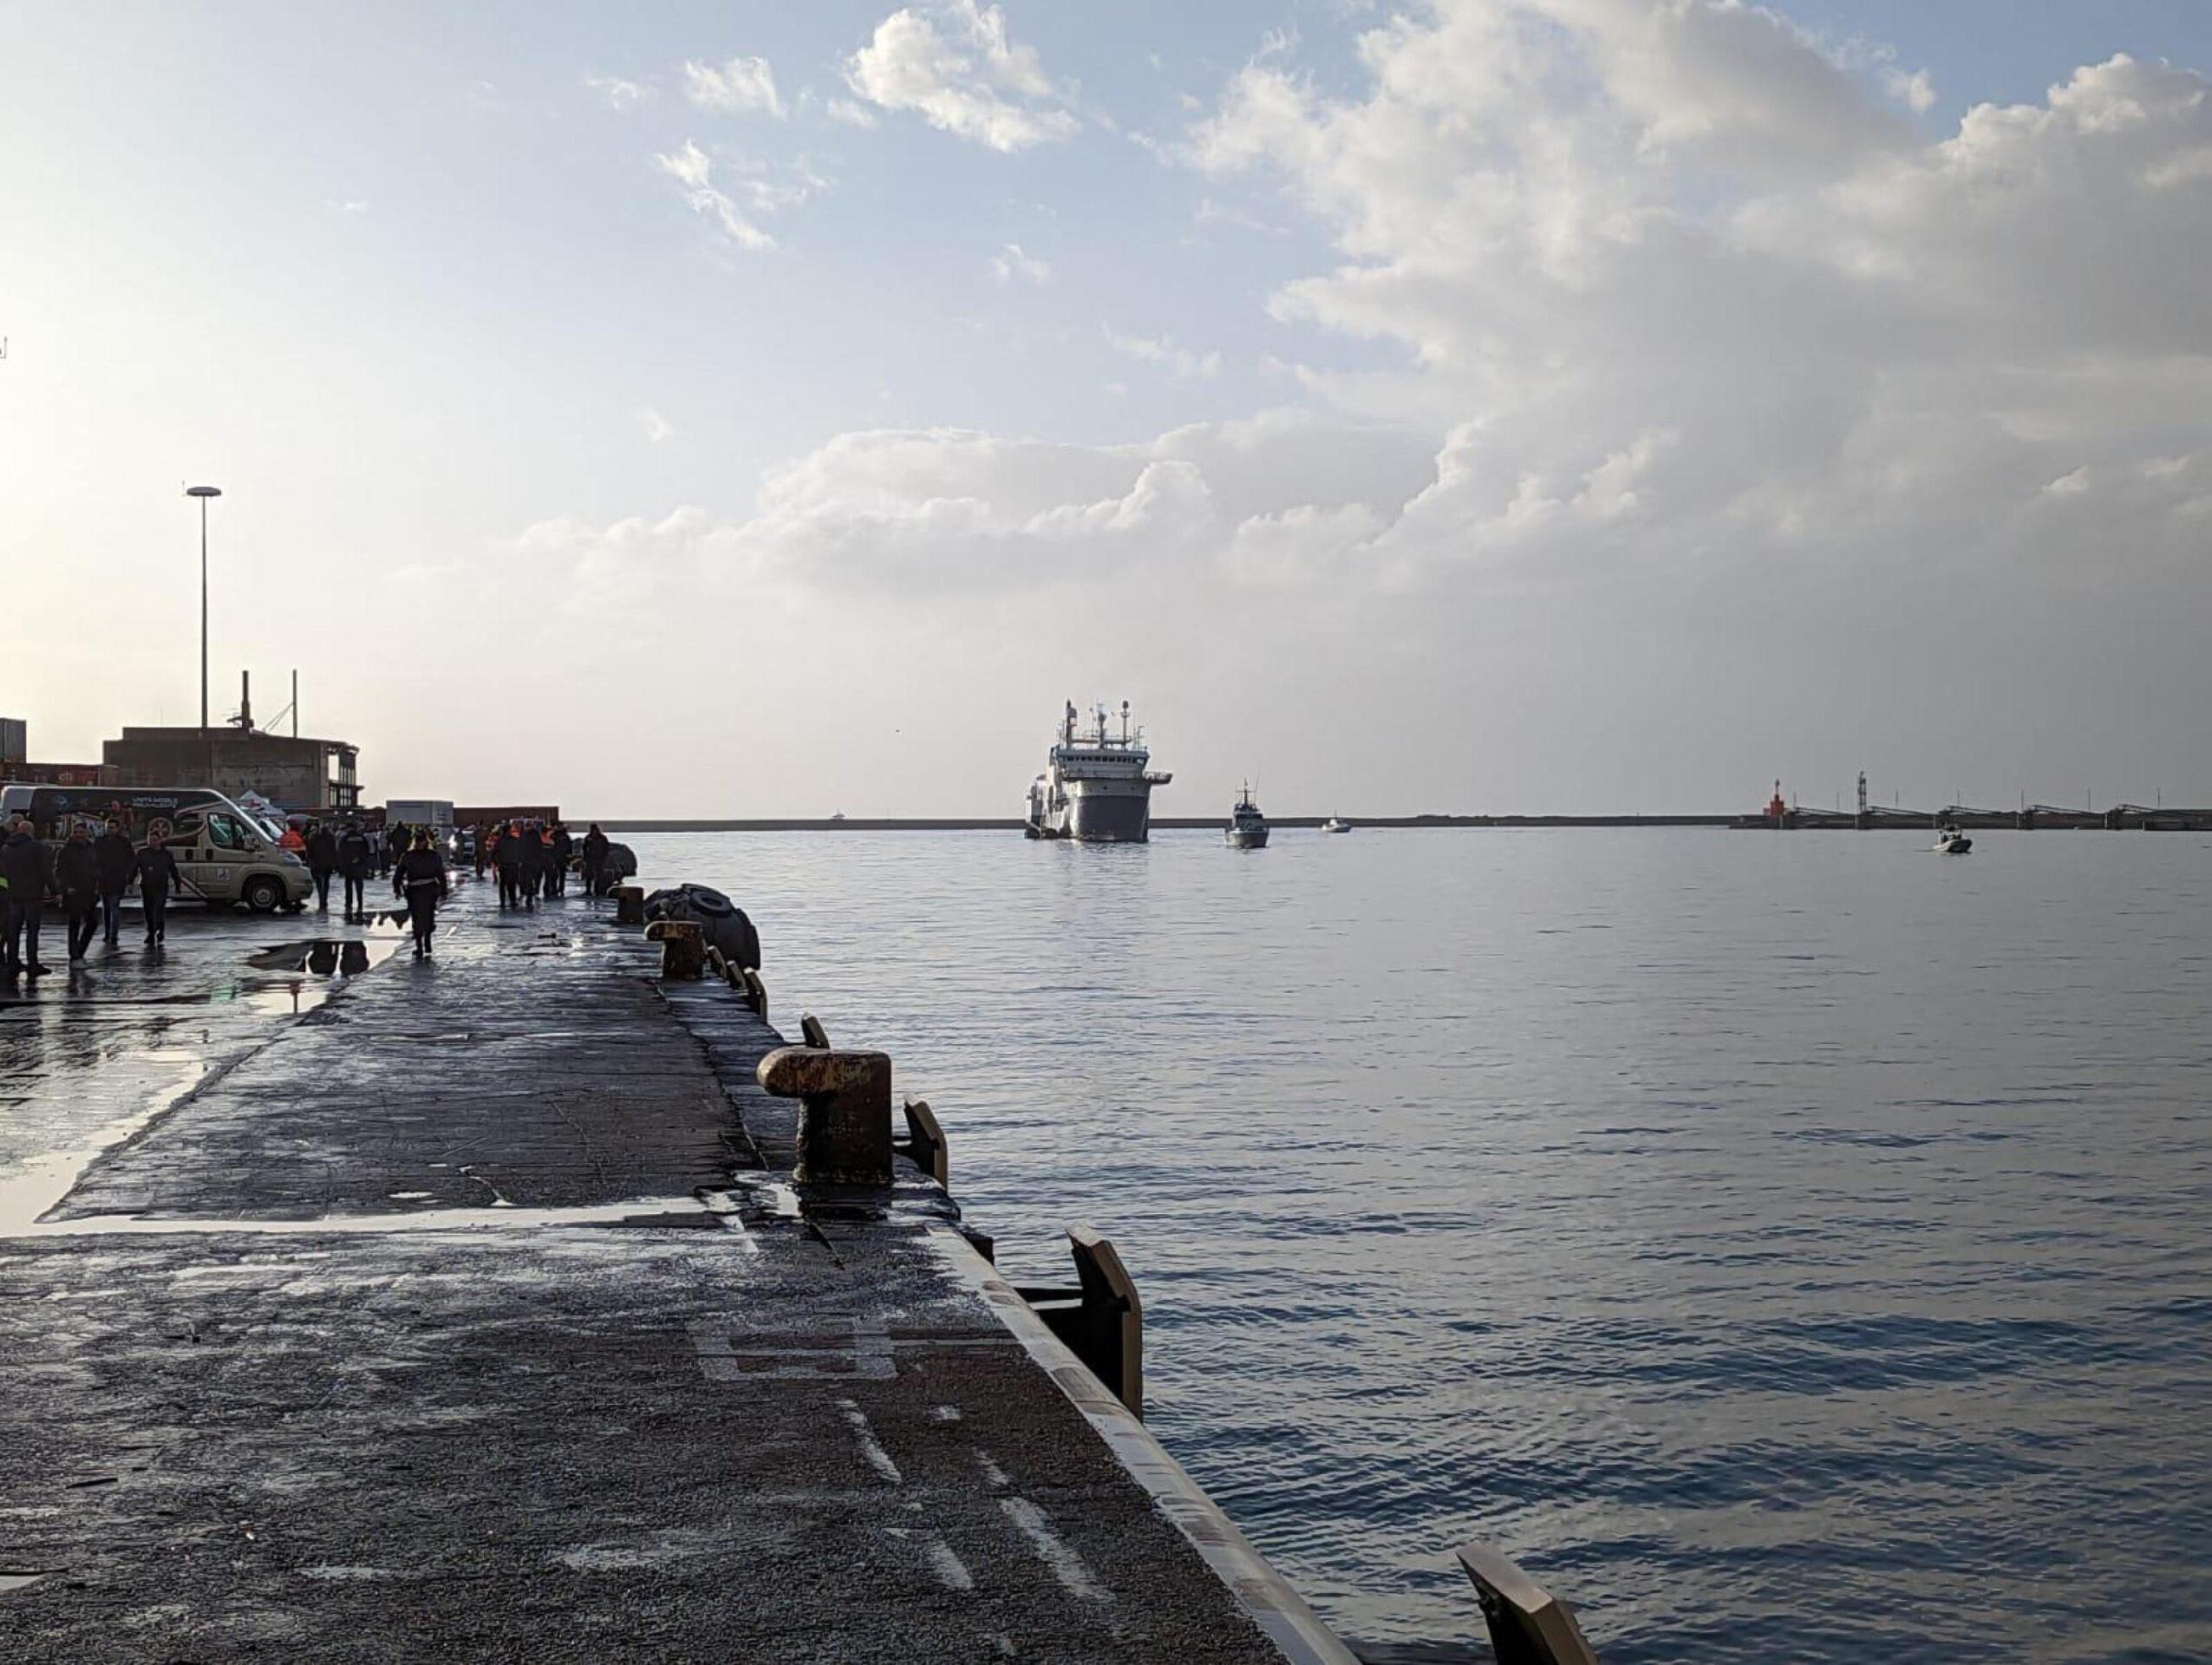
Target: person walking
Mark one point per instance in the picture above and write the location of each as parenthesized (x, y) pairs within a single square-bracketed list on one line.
[(321, 862), (480, 844), (29, 869), (595, 861), (356, 857), (532, 864), (419, 877), (564, 851), (510, 865), (118, 864), (157, 876), (76, 876), (395, 847)]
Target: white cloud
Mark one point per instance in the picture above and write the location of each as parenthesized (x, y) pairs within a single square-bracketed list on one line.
[(1163, 351), (742, 86), (656, 425), (851, 114), (965, 78), (693, 171), (1010, 265), (617, 93)]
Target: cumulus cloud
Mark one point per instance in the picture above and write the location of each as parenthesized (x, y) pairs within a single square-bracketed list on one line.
[(1011, 265), (955, 66), (742, 86), (1163, 351), (617, 93)]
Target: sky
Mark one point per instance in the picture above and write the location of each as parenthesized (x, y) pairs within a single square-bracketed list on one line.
[(1483, 405)]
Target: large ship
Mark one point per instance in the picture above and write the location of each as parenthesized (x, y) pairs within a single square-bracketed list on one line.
[(1095, 787)]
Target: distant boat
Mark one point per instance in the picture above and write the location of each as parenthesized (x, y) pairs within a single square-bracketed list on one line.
[(1951, 842), (1096, 789), (1332, 825), (1246, 828)]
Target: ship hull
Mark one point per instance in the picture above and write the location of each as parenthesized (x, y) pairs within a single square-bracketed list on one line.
[(1247, 838), (1109, 811)]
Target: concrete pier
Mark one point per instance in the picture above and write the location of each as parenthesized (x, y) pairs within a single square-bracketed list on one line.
[(467, 1308)]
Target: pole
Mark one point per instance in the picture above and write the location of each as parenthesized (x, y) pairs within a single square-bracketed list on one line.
[(203, 615)]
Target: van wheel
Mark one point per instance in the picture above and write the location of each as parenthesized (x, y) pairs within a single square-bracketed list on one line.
[(263, 895)]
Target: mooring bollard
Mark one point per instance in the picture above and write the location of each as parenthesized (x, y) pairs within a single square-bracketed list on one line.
[(844, 1112), (1100, 1319), (756, 994), (924, 1145), (629, 904), (811, 1032), (683, 946), (1528, 1624)]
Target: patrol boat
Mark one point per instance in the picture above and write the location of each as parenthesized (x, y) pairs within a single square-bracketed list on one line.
[(1095, 787), (1246, 828)]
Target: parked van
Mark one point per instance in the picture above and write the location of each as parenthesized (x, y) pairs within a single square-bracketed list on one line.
[(225, 856)]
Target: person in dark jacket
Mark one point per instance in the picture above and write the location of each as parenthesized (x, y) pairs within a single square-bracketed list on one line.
[(356, 857), (532, 864), (420, 878), (76, 876), (595, 861), (564, 850), (157, 876), (394, 846), (509, 857), (321, 862), (118, 862), (28, 868)]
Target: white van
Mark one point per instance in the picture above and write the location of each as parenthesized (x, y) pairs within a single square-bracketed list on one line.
[(225, 856)]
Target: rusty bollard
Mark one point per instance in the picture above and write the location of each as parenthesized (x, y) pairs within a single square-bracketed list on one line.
[(844, 1112), (629, 904), (683, 946)]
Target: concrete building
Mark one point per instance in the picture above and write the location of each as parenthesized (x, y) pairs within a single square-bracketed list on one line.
[(293, 770)]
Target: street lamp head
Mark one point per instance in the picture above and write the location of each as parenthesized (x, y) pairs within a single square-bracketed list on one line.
[(203, 491)]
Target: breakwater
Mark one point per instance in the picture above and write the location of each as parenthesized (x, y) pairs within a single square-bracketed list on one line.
[(539, 1301)]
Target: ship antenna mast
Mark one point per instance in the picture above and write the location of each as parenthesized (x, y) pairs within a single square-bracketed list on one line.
[(1125, 722)]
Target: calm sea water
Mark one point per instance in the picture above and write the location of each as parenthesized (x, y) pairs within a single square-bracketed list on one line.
[(1789, 1247)]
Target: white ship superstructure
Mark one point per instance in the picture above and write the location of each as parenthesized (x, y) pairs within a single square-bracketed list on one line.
[(1096, 786)]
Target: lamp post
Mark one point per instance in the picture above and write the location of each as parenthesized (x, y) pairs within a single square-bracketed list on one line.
[(203, 493)]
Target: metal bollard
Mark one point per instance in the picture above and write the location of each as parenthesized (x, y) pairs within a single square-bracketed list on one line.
[(1528, 1624), (629, 904), (924, 1145), (811, 1030), (844, 1112), (756, 994), (683, 948), (1101, 1319)]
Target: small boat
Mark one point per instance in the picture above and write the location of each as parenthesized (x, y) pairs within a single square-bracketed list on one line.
[(1332, 825), (1950, 841), (1246, 828)]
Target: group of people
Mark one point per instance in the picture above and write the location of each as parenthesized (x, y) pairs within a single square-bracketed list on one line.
[(90, 874), (532, 858)]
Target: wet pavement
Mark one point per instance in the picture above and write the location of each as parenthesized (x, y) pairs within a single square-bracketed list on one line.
[(354, 1307)]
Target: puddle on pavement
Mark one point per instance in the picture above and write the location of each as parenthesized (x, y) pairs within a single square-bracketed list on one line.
[(12, 1582), (649, 1210), (320, 964), (42, 1181)]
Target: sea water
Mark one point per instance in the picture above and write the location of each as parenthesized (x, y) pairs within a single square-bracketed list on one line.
[(1788, 1246)]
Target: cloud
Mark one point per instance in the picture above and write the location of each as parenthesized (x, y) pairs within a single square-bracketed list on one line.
[(742, 86), (851, 114), (656, 425), (693, 170), (1657, 354), (955, 68), (1010, 265), (617, 93), (728, 202), (1162, 351)]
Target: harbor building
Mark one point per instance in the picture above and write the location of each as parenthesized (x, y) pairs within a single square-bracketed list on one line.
[(298, 772)]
